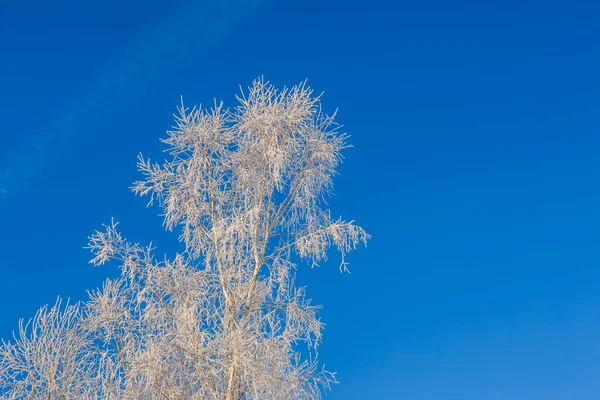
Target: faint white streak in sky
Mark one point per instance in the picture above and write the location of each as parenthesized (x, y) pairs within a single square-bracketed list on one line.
[(161, 50)]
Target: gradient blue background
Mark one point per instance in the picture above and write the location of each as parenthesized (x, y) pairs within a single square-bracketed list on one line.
[(475, 168)]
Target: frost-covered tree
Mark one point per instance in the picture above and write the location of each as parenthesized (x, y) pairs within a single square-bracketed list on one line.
[(223, 318)]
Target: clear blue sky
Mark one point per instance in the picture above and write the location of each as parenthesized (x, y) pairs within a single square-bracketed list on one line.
[(475, 168)]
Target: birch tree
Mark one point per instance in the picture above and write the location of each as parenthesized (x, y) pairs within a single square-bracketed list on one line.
[(223, 318)]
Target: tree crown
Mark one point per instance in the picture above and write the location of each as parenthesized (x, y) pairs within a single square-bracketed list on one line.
[(246, 189)]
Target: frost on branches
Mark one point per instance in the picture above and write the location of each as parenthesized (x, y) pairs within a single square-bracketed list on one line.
[(223, 319)]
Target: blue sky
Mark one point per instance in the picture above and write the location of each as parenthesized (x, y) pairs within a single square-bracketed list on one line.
[(475, 168)]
